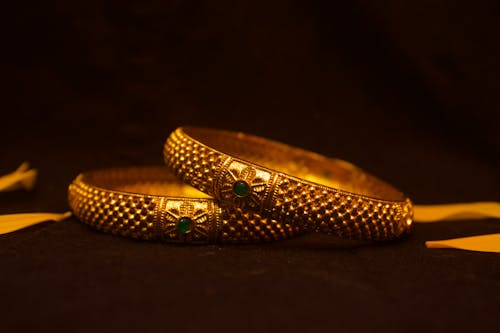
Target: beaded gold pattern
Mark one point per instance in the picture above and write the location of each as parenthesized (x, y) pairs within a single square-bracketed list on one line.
[(103, 199), (212, 161)]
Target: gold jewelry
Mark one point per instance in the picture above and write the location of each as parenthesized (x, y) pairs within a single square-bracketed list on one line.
[(150, 203), (296, 187)]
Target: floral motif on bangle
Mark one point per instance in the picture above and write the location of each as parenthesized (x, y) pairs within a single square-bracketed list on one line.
[(185, 222), (243, 187)]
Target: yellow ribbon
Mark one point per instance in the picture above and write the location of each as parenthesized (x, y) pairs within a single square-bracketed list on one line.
[(13, 222), (457, 211), (461, 211), (22, 178), (485, 243)]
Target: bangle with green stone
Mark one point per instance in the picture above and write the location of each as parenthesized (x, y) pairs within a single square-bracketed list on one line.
[(150, 203), (297, 187)]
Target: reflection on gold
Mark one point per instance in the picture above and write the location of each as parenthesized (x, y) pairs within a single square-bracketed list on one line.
[(162, 189)]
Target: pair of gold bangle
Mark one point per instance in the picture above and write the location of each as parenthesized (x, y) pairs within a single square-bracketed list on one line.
[(227, 187)]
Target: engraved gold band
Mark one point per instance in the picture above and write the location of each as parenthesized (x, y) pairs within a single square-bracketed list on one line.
[(296, 187), (150, 203)]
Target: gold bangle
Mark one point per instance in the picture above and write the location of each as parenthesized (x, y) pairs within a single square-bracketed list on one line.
[(291, 185), (150, 203)]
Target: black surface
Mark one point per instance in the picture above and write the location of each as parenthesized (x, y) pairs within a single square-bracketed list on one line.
[(408, 92)]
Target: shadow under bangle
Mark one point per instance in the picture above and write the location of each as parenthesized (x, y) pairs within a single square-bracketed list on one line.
[(150, 203), (294, 186)]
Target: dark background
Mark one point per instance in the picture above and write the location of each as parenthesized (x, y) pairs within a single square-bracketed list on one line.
[(406, 90)]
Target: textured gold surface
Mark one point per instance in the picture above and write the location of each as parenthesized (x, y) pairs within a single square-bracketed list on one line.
[(299, 188), (147, 203)]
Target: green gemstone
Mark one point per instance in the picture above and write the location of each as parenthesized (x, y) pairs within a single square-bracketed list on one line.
[(184, 224), (241, 188)]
